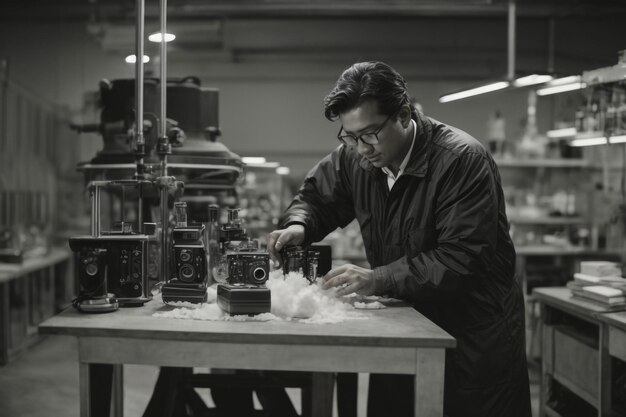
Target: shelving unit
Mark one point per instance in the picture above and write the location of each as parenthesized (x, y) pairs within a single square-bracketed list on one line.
[(542, 163), (30, 293)]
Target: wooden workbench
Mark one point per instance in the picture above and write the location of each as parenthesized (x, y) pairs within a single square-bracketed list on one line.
[(574, 351), (396, 340)]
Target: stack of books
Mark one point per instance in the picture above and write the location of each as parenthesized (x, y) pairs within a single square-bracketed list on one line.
[(600, 282)]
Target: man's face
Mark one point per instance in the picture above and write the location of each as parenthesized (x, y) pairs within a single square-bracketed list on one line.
[(392, 138)]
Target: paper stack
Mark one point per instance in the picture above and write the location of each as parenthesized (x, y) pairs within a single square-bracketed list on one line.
[(606, 295), (601, 268), (600, 282)]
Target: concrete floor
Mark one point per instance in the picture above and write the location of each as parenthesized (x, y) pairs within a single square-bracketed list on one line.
[(43, 381)]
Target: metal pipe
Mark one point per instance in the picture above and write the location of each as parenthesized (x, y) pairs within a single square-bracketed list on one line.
[(140, 208), (139, 33), (140, 149), (163, 68), (511, 43), (164, 240), (551, 41), (95, 210)]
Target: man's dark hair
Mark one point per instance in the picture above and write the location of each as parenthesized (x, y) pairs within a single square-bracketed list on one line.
[(367, 81)]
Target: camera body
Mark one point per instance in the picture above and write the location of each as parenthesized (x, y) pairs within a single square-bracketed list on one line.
[(126, 258), (248, 268), (91, 270), (189, 254), (189, 266)]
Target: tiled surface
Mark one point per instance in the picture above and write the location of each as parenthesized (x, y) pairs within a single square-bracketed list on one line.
[(43, 382)]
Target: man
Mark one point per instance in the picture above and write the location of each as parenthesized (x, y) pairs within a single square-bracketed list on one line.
[(429, 202)]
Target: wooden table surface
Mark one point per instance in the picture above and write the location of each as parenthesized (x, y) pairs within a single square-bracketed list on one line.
[(617, 319), (395, 326), (563, 298), (396, 340)]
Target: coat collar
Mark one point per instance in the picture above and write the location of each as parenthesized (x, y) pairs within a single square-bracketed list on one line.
[(418, 163)]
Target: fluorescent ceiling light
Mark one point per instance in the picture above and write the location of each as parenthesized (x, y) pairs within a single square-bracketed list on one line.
[(565, 80), (131, 59), (532, 80), (618, 139), (474, 91), (560, 89), (567, 132), (561, 85), (588, 141), (156, 37), (253, 160), (283, 170)]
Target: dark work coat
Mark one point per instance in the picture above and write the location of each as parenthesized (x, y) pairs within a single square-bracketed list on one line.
[(439, 240)]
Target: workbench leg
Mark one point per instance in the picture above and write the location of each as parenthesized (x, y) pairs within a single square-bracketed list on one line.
[(84, 381), (95, 381), (322, 387), (5, 324), (605, 373), (117, 395), (429, 376)]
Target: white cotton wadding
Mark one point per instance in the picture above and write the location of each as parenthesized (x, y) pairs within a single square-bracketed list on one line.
[(369, 306), (293, 299), (205, 311)]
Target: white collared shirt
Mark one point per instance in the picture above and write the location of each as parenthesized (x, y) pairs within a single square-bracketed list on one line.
[(391, 179)]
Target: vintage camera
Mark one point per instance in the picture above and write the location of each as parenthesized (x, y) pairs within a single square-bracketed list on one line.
[(189, 267), (311, 261), (246, 265), (189, 254), (126, 255), (91, 270), (242, 271)]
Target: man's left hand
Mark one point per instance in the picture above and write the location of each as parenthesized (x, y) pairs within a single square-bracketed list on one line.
[(359, 280)]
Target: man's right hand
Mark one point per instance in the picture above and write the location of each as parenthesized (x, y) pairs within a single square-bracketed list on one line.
[(278, 239)]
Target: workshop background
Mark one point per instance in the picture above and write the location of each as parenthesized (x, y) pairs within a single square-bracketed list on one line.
[(273, 62)]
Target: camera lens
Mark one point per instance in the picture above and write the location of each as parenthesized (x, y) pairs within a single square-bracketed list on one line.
[(185, 256), (91, 269), (259, 275), (186, 272)]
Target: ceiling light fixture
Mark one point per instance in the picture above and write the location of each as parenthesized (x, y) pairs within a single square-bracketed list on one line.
[(157, 37), (253, 160), (132, 59), (561, 85), (510, 81), (600, 140), (532, 79), (618, 139), (474, 91), (567, 132)]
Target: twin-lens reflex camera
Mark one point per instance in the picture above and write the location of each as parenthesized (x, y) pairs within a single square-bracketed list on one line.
[(189, 264)]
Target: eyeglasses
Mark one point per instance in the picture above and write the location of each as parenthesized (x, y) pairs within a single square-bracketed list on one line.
[(370, 138)]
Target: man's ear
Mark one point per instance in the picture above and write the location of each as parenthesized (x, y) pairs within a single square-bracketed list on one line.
[(405, 115)]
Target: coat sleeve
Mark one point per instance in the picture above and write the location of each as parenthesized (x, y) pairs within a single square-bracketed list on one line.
[(324, 201), (466, 225)]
